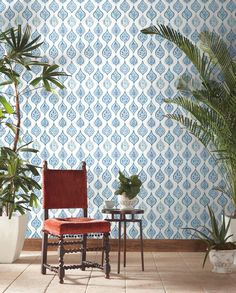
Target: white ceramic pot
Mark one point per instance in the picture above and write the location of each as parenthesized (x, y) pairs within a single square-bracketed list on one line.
[(222, 260), (12, 237), (125, 203)]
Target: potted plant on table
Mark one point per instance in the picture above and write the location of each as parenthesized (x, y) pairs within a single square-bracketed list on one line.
[(18, 184), (220, 249), (127, 191), (210, 100)]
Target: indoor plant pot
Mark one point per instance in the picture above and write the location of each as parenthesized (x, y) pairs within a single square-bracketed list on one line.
[(125, 203), (12, 237), (127, 191), (222, 260), (220, 249)]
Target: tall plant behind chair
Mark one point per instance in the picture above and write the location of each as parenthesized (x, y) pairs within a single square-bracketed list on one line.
[(212, 105), (19, 57)]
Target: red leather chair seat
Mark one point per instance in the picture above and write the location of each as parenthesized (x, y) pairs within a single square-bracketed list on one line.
[(59, 226)]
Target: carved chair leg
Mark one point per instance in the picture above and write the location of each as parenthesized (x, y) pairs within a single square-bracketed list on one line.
[(44, 253), (84, 245), (107, 267), (61, 252)]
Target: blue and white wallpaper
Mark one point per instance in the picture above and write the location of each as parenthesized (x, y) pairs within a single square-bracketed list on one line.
[(112, 113)]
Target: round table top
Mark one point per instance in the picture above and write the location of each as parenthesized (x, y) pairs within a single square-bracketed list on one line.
[(122, 212)]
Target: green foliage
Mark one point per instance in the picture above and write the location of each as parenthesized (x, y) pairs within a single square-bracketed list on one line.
[(19, 56), (130, 185), (211, 102), (20, 50), (6, 107), (216, 237), (17, 187), (49, 74)]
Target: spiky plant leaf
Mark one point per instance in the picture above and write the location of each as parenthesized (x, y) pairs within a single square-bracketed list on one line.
[(49, 74)]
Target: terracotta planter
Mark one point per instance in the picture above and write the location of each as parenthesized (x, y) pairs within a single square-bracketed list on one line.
[(222, 260), (12, 237), (125, 203)]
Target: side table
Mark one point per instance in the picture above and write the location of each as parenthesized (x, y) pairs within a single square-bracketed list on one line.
[(120, 216)]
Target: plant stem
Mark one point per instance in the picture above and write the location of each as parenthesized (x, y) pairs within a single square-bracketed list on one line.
[(17, 135)]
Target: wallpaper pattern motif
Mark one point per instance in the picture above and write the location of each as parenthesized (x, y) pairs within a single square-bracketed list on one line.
[(112, 112)]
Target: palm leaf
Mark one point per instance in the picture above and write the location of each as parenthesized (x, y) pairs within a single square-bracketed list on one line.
[(216, 48), (49, 74), (200, 61), (20, 45), (6, 105), (205, 124)]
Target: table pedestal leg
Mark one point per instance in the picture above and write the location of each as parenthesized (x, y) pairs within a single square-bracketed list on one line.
[(141, 244), (124, 243), (119, 238)]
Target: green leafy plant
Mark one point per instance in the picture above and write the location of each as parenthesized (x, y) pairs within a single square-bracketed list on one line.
[(216, 237), (19, 59), (128, 185), (210, 100), (17, 188)]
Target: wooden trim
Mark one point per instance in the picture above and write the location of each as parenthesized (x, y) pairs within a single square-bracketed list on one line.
[(170, 245)]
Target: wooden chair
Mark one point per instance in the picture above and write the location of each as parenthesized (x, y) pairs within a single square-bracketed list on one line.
[(68, 189)]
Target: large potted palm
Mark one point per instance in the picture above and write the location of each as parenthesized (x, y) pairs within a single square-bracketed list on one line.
[(211, 101), (18, 178)]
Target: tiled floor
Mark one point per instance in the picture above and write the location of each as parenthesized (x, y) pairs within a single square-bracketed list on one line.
[(164, 272)]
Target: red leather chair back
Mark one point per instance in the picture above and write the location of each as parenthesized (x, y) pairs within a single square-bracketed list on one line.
[(65, 188)]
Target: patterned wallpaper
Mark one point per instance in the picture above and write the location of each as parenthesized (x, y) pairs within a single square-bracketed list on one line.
[(112, 112)]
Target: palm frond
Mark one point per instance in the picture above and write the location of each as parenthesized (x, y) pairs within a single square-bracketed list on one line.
[(49, 74), (208, 120), (20, 45), (216, 48), (205, 137), (199, 60)]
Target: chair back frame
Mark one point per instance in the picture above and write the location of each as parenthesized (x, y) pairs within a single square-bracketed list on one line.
[(50, 195)]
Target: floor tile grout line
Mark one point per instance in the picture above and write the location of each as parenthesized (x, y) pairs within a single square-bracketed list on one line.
[(89, 277), (49, 283), (33, 261), (190, 269), (16, 278), (158, 273)]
